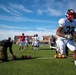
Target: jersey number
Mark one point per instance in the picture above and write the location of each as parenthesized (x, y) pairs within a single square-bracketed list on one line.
[(70, 30)]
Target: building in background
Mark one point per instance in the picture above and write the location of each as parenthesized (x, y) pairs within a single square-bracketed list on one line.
[(45, 39)]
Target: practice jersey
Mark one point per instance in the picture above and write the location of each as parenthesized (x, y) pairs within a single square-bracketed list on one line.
[(22, 38), (36, 39), (68, 27)]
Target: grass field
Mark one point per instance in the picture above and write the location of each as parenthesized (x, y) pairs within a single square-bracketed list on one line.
[(42, 63)]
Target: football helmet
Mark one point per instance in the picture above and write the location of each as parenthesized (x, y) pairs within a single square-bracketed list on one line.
[(70, 12), (22, 33)]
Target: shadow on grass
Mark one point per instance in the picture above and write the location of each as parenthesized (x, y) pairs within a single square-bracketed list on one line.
[(11, 59), (25, 58), (44, 49)]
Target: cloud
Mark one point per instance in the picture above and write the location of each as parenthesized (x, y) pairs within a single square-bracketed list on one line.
[(8, 9), (40, 12), (14, 9), (23, 19), (51, 7), (14, 12), (72, 4), (34, 14), (54, 12), (44, 28), (16, 27), (5, 9), (4, 34), (19, 7), (56, 8)]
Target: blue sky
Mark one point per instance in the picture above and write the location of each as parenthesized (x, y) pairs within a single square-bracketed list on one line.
[(32, 16)]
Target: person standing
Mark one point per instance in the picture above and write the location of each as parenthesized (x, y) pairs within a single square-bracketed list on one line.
[(22, 41), (33, 40), (26, 41), (36, 42), (65, 32), (52, 42)]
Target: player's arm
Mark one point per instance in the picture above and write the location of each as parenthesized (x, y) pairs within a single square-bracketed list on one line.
[(10, 49), (58, 32), (74, 34)]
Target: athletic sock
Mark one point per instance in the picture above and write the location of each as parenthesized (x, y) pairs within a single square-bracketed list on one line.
[(75, 62)]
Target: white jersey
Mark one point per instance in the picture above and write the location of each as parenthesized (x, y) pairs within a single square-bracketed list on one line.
[(36, 41), (27, 40), (33, 40), (68, 27)]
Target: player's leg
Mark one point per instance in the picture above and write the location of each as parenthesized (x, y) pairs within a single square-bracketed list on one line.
[(1, 53), (26, 44), (51, 46), (72, 47), (37, 46), (57, 47), (20, 46), (4, 52), (66, 51), (23, 44), (61, 49), (74, 56), (34, 46)]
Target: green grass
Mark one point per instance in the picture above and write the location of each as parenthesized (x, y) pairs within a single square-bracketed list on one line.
[(42, 63)]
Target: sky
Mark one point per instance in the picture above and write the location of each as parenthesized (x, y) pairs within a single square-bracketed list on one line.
[(32, 16)]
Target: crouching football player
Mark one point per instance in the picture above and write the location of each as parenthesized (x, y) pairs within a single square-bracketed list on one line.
[(4, 44), (65, 32)]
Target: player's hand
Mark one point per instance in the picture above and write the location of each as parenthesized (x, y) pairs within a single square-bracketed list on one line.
[(14, 57), (70, 37)]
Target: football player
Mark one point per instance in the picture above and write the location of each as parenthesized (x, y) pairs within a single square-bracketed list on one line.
[(26, 41), (65, 32), (36, 42), (22, 41)]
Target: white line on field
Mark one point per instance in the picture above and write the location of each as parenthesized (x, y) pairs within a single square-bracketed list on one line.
[(46, 58)]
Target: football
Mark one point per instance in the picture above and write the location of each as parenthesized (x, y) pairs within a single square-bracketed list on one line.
[(29, 57), (14, 57), (55, 56), (63, 56), (22, 56), (59, 56), (25, 56)]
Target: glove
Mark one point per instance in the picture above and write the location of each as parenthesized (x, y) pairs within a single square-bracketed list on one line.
[(70, 37)]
